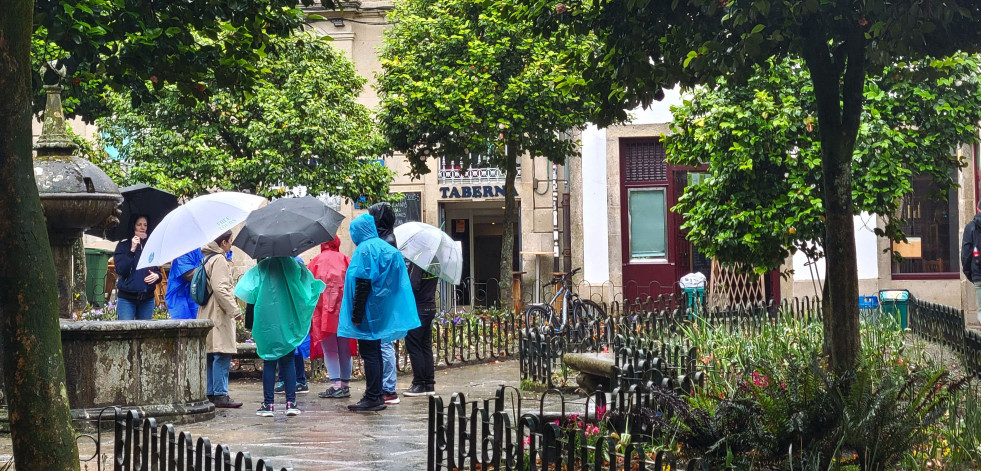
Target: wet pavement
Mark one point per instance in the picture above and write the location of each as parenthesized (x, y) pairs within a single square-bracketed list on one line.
[(326, 436)]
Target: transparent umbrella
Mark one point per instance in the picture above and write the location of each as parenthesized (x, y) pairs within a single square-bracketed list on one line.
[(431, 249)]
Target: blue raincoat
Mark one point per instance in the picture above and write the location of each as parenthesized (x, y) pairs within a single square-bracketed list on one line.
[(391, 308), (179, 301), (285, 294)]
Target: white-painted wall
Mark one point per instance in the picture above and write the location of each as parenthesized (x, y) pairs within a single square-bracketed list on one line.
[(596, 207), (865, 249)]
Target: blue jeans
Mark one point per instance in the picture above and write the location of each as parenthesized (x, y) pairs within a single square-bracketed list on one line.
[(299, 368), (337, 357), (218, 366), (389, 376), (127, 310), (285, 365), (370, 351)]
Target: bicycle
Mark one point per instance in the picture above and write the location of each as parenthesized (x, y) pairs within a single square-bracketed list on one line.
[(576, 312)]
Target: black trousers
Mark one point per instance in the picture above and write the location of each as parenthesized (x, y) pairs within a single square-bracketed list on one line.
[(370, 351), (419, 343)]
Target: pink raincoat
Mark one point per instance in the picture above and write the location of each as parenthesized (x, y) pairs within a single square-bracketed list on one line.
[(329, 266)]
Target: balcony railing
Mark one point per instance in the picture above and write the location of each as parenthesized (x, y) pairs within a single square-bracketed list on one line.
[(480, 171)]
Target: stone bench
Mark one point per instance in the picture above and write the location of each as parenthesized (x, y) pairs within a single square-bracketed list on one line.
[(593, 368)]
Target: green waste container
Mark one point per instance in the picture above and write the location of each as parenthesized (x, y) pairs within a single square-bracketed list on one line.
[(695, 299), (96, 265), (895, 302)]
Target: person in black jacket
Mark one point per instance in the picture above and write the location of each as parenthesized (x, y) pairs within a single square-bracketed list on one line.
[(970, 257), (134, 288), (419, 341)]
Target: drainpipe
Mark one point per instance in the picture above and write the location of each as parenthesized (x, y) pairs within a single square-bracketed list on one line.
[(555, 218)]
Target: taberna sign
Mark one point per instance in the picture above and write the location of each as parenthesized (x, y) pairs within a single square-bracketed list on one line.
[(475, 191)]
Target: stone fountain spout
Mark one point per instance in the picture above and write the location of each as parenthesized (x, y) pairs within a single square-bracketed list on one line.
[(75, 195)]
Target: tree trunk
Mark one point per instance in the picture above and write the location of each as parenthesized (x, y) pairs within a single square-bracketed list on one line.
[(507, 242), (30, 337), (838, 76)]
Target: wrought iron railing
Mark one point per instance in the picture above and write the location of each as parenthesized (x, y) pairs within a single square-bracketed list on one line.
[(480, 171), (945, 325), (140, 443), (499, 434)]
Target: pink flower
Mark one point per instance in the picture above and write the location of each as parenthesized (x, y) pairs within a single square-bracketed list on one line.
[(600, 412)]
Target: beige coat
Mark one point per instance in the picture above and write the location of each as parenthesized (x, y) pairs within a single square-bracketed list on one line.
[(222, 307)]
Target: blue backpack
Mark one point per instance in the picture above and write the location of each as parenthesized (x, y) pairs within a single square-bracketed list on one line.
[(200, 293)]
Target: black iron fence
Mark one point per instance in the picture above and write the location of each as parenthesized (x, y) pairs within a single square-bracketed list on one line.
[(141, 444), (945, 325), (650, 332), (556, 434)]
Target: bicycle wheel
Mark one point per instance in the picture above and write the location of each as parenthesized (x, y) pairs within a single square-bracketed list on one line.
[(542, 319), (588, 311)]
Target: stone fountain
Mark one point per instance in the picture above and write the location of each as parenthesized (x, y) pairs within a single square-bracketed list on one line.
[(157, 367), (75, 195)]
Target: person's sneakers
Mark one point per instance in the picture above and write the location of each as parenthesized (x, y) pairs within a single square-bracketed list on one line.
[(392, 398), (334, 393), (420, 390), (212, 397), (291, 409), (265, 410), (226, 402), (365, 405), (302, 388), (280, 389)]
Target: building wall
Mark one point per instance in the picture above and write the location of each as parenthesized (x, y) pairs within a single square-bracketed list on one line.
[(361, 38)]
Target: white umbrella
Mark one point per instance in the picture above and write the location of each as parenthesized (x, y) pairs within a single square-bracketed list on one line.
[(431, 249), (195, 223)]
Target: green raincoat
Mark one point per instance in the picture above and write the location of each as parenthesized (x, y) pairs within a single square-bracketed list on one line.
[(285, 294)]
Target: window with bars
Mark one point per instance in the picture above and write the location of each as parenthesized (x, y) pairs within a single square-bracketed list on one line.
[(645, 161)]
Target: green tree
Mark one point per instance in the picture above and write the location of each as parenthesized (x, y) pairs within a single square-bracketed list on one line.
[(300, 124), (30, 337), (762, 136), (648, 45), (121, 44), (461, 78)]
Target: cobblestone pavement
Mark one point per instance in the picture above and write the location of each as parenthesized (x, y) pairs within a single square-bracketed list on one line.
[(326, 436)]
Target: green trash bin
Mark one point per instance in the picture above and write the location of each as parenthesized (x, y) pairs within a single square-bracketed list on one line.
[(96, 266), (895, 303), (695, 299)]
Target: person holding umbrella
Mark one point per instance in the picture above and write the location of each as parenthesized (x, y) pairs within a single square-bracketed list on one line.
[(135, 286), (281, 292), (378, 305), (222, 309), (431, 255)]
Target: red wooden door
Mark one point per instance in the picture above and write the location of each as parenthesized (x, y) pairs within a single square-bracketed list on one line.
[(649, 230)]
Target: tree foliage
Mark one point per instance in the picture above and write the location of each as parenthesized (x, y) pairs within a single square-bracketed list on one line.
[(462, 78), (300, 125), (764, 197), (121, 45)]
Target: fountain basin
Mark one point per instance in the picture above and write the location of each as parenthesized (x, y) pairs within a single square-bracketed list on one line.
[(157, 367)]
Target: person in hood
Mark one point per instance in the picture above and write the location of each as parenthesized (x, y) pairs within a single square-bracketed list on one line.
[(970, 256), (384, 216), (222, 309), (135, 288), (330, 266), (179, 302), (378, 305), (282, 294)]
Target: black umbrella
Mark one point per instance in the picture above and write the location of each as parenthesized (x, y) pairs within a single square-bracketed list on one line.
[(139, 200), (288, 226)]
